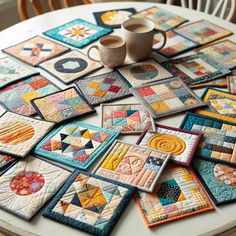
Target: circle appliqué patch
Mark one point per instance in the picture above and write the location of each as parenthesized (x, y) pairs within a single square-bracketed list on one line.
[(71, 65)]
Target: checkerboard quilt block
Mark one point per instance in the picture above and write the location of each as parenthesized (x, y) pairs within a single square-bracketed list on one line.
[(17, 97), (36, 50), (231, 80), (12, 71), (219, 138), (5, 161), (76, 144), (90, 203), (70, 66), (164, 20), (77, 33), (104, 87), (167, 97), (28, 185), (133, 165), (177, 195), (218, 180), (144, 72), (219, 83)]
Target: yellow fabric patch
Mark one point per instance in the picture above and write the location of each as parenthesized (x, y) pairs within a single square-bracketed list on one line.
[(160, 106), (27, 97)]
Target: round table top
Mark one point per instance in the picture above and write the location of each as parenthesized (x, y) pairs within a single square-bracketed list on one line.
[(130, 223)]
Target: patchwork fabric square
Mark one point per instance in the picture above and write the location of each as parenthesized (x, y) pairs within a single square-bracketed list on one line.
[(196, 69), (12, 71), (219, 83), (144, 72), (36, 50), (222, 105), (90, 203), (76, 144), (126, 118), (180, 143), (218, 180), (178, 194), (77, 33), (164, 20), (28, 185), (62, 105), (17, 97), (70, 66), (219, 138), (104, 87), (113, 18), (5, 161), (175, 44), (133, 165), (167, 97), (203, 31), (231, 80), (19, 134)]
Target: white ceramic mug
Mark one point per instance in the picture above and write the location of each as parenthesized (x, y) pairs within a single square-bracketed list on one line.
[(139, 35)]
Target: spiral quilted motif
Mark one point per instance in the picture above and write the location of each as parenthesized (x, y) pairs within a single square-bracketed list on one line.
[(167, 143)]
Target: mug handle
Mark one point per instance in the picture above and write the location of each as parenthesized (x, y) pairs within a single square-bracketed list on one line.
[(157, 31), (88, 53)]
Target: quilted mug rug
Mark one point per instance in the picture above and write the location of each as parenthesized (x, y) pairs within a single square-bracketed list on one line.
[(218, 180), (5, 161), (70, 66), (28, 185), (231, 80), (90, 203), (126, 118), (167, 97), (164, 20), (133, 165), (180, 143), (219, 83), (76, 144), (17, 97), (203, 31), (144, 72), (19, 134), (77, 33), (104, 87), (12, 71), (61, 106), (178, 195), (196, 69), (219, 138)]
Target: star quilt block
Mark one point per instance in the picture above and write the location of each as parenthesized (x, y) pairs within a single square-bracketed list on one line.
[(76, 144), (36, 50), (103, 87), (28, 185), (231, 81), (177, 195), (90, 203), (133, 165), (17, 97), (5, 161), (219, 83), (78, 33), (70, 66)]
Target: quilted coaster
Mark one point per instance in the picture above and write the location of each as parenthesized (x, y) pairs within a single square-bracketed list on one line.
[(164, 20), (5, 161), (126, 118), (12, 71), (203, 31), (144, 72), (222, 105), (36, 50), (90, 203), (178, 194), (219, 83), (113, 18), (219, 180), (180, 143), (175, 44), (61, 106), (133, 165), (77, 33), (196, 69), (19, 134), (17, 97), (104, 87), (231, 80), (219, 137), (76, 144), (167, 97), (28, 185), (70, 66)]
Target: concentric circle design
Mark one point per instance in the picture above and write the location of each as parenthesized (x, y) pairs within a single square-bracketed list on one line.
[(225, 174), (144, 72), (71, 65)]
